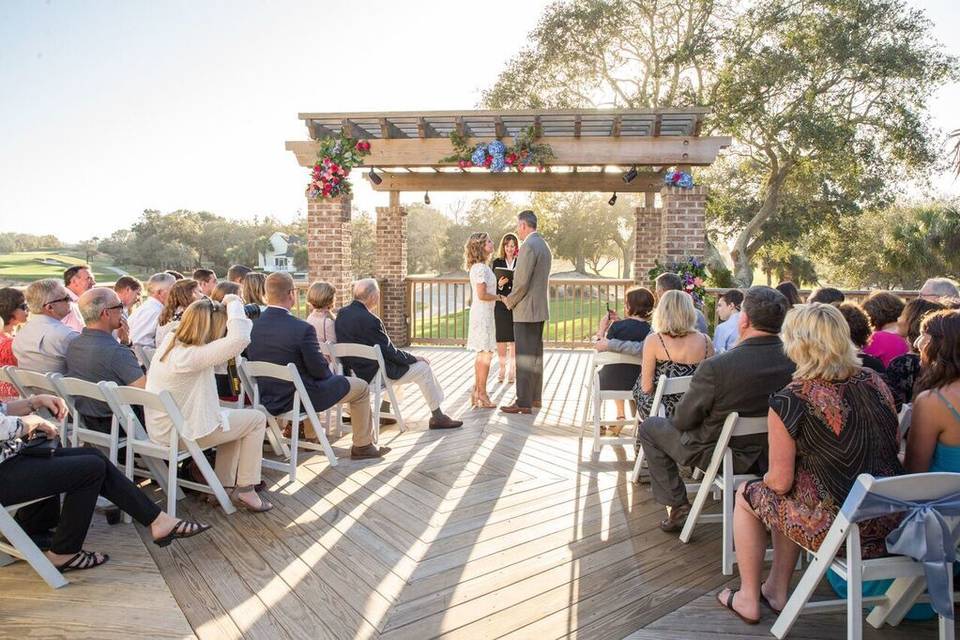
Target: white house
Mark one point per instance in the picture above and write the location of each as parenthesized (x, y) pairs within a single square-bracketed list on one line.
[(280, 255)]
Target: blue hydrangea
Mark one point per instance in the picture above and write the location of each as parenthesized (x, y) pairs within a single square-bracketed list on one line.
[(479, 155), (499, 163), (497, 148), (686, 181)]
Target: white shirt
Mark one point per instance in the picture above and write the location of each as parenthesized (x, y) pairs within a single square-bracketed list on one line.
[(41, 344), (727, 333), (73, 319), (143, 323), (187, 372)]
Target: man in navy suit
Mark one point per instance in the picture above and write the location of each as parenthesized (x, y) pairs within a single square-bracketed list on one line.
[(280, 337), (356, 324)]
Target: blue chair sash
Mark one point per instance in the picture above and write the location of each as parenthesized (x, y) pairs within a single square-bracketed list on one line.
[(923, 535)]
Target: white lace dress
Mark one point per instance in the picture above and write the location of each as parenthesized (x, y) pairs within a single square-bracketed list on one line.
[(483, 335)]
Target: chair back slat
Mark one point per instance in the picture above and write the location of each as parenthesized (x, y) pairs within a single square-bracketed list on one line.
[(609, 357), (76, 387), (676, 385), (254, 369), (913, 487), (749, 426), (31, 381), (352, 350)]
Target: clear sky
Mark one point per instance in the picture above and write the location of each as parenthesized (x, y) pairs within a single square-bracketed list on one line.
[(109, 108)]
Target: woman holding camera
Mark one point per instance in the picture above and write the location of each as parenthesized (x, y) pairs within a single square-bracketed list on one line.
[(184, 366)]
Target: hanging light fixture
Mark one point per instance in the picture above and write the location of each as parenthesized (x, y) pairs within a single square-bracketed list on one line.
[(374, 178), (631, 175), (613, 199), (426, 197)]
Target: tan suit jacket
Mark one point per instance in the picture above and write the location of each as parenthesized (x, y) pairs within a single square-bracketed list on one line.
[(530, 297)]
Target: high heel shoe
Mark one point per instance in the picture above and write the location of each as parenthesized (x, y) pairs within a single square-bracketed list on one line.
[(478, 401), (239, 502)]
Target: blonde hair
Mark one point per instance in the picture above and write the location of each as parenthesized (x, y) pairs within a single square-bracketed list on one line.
[(674, 314), (181, 296), (39, 293), (320, 295), (253, 287), (816, 337), (203, 322), (474, 250)]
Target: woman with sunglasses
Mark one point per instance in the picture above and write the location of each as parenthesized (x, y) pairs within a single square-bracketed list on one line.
[(13, 311)]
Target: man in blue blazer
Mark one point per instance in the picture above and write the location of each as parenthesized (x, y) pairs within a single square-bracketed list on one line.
[(356, 324), (281, 338)]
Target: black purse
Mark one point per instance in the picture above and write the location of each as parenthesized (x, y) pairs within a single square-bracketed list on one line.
[(40, 447)]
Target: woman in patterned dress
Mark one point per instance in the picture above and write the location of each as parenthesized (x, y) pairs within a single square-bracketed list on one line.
[(13, 311), (482, 337), (835, 421)]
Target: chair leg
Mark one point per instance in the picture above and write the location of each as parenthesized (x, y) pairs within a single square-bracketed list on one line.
[(900, 596), (30, 551), (948, 628), (597, 417), (801, 595), (171, 485), (212, 480), (854, 586), (635, 474), (377, 395), (396, 407), (295, 441), (327, 449), (696, 509), (729, 495)]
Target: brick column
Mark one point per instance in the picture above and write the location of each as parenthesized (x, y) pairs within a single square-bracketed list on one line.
[(647, 249), (683, 231), (391, 270), (328, 244)]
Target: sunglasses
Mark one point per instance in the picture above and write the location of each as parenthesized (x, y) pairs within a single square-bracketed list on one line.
[(116, 306), (64, 299)]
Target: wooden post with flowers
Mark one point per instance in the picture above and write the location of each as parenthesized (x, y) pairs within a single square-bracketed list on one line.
[(329, 205)]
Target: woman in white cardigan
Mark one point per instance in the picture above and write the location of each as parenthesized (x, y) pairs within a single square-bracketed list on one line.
[(184, 366)]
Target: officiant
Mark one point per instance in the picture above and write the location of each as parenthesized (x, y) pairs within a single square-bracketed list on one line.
[(503, 266)]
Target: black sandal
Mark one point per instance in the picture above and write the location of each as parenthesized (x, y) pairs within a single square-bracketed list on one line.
[(83, 560), (183, 529), (729, 605)]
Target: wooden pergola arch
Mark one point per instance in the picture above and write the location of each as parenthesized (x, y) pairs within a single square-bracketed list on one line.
[(593, 149)]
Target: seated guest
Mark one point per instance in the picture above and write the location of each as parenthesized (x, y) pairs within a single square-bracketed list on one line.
[(826, 295), (728, 309), (144, 321), (41, 343), (903, 371), (13, 311), (740, 380), (207, 279), (77, 279), (183, 365), (281, 338), (182, 294), (936, 289), (790, 292), (96, 355), (356, 324), (673, 282), (884, 310), (81, 474), (859, 325), (933, 442), (635, 327), (236, 272), (252, 289), (833, 410), (320, 297), (129, 290), (675, 349)]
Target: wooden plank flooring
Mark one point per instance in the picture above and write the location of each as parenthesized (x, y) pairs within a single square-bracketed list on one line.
[(510, 527)]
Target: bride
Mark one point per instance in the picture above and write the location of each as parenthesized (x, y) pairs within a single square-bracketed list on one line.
[(482, 337)]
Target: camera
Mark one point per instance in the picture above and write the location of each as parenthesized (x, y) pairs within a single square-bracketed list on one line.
[(252, 311)]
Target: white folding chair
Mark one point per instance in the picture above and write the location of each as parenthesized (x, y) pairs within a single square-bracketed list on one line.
[(337, 368), (908, 574), (726, 483), (121, 401), (378, 383), (665, 387), (19, 545), (69, 389), (31, 383), (598, 395), (144, 355), (252, 372)]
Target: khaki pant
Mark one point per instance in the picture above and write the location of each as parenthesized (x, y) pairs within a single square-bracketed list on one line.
[(359, 400), (239, 449), (421, 375)]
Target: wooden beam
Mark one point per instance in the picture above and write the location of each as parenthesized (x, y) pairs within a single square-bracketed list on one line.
[(569, 151), (512, 181), (351, 129), (425, 129), (537, 126), (390, 130), (506, 113), (657, 123), (576, 126), (501, 130), (615, 127)]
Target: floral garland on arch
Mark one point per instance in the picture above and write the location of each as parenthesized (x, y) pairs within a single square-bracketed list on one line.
[(498, 157), (680, 179), (335, 158), (692, 272)]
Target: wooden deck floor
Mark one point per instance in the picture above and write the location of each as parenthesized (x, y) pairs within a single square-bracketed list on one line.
[(509, 527)]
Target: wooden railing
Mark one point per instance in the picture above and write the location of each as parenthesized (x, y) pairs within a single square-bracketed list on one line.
[(438, 309)]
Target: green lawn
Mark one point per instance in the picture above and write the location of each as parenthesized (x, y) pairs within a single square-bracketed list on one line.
[(570, 320), (25, 267)]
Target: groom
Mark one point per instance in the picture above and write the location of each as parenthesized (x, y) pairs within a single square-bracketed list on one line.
[(529, 302)]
